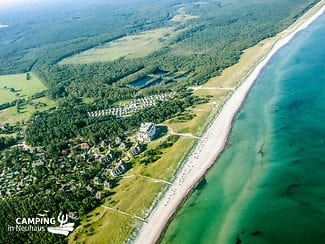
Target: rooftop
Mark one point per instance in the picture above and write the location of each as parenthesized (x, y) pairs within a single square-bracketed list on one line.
[(145, 127)]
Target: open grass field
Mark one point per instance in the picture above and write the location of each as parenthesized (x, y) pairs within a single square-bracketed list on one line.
[(13, 87), (135, 46), (182, 16), (200, 112), (11, 116), (23, 87), (165, 167), (102, 220)]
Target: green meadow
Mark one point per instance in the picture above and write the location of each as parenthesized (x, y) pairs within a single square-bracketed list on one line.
[(17, 86), (133, 46), (12, 116)]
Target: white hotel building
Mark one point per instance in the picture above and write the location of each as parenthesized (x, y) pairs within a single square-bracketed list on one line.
[(146, 132)]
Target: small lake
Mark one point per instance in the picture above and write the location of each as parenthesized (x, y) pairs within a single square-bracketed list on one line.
[(182, 76), (160, 72), (141, 82)]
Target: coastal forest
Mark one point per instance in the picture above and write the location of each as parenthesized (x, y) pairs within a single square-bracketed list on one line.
[(188, 43)]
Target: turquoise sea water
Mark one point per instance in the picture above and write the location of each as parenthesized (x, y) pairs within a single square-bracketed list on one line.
[(269, 184)]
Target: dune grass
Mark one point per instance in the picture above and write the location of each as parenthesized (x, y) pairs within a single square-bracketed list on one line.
[(97, 228)]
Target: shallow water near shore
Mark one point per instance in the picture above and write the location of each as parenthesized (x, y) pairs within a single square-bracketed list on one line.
[(269, 184)]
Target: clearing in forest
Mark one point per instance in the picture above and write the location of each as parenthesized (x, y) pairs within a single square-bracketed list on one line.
[(134, 46), (17, 86)]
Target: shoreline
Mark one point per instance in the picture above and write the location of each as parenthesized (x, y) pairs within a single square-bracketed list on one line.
[(211, 144)]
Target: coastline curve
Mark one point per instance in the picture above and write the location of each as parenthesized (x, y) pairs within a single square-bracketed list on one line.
[(202, 156)]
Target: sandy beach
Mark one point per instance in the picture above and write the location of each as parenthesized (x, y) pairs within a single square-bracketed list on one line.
[(211, 144)]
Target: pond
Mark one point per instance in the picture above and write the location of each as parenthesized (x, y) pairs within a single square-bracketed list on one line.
[(141, 82), (160, 72)]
